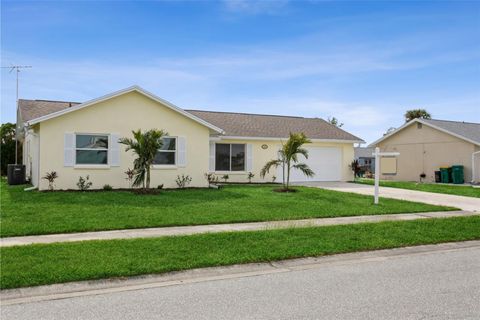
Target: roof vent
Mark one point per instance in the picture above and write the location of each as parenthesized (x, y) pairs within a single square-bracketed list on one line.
[(419, 125)]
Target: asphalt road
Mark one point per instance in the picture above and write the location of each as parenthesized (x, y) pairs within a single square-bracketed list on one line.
[(434, 285)]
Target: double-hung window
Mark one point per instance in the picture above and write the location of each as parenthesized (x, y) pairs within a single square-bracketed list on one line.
[(229, 157), (167, 154), (91, 149)]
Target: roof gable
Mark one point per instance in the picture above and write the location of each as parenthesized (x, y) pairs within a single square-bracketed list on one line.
[(467, 131), (70, 107)]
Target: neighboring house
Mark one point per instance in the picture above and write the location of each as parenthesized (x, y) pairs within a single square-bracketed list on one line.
[(79, 139), (365, 159), (427, 145)]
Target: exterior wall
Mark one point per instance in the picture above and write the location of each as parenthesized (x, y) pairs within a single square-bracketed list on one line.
[(30, 154), (262, 156), (425, 150), (121, 115)]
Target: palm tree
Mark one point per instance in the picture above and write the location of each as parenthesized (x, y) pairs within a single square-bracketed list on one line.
[(288, 158), (145, 146), (417, 113)]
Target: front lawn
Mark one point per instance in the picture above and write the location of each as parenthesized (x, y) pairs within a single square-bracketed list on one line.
[(467, 191), (33, 212), (63, 262)]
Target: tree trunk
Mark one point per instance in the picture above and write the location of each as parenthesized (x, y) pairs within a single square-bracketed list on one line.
[(288, 174), (148, 177)]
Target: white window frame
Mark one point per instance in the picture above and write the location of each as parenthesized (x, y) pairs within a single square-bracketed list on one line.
[(167, 166), (230, 162), (92, 165)]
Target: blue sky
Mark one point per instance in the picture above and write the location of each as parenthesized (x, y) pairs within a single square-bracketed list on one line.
[(364, 62)]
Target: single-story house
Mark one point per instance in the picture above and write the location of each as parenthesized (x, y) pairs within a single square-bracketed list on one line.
[(365, 159), (426, 145), (79, 139)]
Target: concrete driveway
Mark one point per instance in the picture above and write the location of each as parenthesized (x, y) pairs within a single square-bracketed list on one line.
[(464, 203)]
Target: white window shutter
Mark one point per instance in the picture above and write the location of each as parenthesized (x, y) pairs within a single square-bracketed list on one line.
[(114, 150), (69, 150), (182, 151), (249, 157), (212, 156)]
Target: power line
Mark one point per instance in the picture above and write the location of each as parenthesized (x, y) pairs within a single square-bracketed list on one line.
[(17, 71)]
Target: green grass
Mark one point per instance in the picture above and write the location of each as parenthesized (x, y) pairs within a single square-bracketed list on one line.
[(63, 262), (28, 213), (466, 191)]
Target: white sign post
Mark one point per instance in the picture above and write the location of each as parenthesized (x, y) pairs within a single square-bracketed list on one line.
[(378, 155)]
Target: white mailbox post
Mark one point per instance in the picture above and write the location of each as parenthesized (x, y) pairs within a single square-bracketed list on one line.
[(378, 155)]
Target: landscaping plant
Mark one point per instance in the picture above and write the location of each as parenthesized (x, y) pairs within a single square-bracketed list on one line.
[(107, 187), (84, 183), (130, 174), (183, 181), (225, 177), (288, 159), (355, 166), (145, 146), (211, 178), (50, 177), (250, 177)]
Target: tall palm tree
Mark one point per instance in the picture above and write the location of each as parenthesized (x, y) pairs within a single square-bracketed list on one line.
[(417, 113), (145, 146), (288, 159)]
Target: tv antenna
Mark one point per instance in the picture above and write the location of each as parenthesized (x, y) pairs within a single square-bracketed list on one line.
[(17, 71)]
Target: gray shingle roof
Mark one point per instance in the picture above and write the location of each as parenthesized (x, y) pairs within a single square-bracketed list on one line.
[(32, 109), (271, 126), (234, 124), (468, 130)]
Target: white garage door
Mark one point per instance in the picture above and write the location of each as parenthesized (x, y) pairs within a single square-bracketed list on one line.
[(326, 162)]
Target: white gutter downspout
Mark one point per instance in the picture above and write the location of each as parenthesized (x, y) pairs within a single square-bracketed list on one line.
[(473, 165), (30, 188)]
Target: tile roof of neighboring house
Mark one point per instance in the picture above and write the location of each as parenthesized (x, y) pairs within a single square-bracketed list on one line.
[(32, 109), (234, 124), (272, 126), (468, 130), (363, 152)]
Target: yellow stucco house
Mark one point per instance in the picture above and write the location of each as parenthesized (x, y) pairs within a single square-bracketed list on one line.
[(79, 139), (426, 145)]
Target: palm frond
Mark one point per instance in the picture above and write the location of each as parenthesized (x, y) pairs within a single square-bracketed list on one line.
[(266, 168), (304, 168)]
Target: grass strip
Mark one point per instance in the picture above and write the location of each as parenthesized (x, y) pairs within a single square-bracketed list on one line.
[(63, 262), (458, 190), (31, 213)]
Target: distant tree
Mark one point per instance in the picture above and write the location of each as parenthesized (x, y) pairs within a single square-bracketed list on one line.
[(417, 114), (335, 122), (7, 147), (390, 130)]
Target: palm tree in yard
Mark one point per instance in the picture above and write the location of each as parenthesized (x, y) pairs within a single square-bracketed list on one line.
[(288, 158), (145, 146)]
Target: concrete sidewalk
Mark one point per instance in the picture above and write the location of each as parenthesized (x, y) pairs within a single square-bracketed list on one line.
[(441, 199), (213, 228)]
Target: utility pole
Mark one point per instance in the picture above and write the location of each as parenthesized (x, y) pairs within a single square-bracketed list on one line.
[(17, 71)]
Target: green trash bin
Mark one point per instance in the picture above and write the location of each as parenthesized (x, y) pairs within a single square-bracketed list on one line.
[(457, 174), (445, 174)]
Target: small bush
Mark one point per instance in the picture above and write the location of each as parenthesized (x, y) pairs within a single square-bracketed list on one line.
[(160, 186), (211, 178), (225, 177), (274, 178), (183, 181), (130, 173), (84, 183), (107, 187), (250, 176), (50, 177)]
